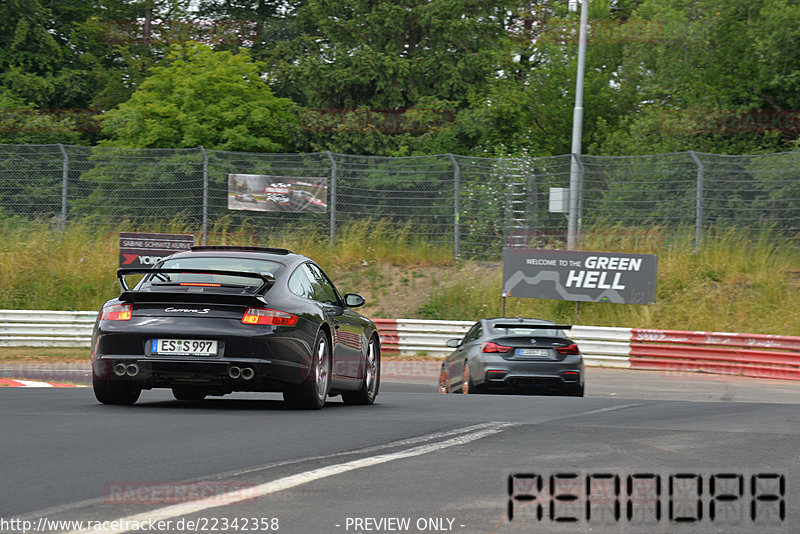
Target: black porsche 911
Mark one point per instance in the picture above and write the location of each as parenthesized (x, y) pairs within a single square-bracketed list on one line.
[(219, 319), (523, 356)]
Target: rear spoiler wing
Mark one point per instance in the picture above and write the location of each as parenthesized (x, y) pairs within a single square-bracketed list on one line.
[(267, 280), (539, 326)]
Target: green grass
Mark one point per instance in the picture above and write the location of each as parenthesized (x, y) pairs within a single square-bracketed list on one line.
[(737, 282), (41, 268)]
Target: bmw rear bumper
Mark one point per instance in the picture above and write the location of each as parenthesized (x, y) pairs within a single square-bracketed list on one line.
[(533, 377)]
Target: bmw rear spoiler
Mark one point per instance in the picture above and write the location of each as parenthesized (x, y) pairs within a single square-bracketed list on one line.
[(267, 280), (539, 326)]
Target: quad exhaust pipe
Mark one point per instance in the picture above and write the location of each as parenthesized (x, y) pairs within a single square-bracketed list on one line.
[(245, 373), (130, 369), (248, 373)]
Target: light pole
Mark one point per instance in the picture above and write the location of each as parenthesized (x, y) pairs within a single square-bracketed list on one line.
[(577, 129)]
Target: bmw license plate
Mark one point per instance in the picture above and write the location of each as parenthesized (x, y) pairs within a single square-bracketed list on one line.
[(533, 352), (184, 347)]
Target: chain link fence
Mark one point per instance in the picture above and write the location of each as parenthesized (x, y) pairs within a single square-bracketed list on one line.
[(476, 206)]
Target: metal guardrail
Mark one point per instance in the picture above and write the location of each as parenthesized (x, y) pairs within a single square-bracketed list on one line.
[(602, 346), (41, 328), (418, 336), (752, 355)]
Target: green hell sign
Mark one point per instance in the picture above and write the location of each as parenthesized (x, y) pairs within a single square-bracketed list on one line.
[(579, 276)]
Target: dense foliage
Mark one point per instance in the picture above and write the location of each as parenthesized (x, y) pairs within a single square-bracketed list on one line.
[(201, 97), (401, 77)]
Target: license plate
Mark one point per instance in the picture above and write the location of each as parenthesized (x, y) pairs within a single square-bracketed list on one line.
[(184, 347), (533, 352)]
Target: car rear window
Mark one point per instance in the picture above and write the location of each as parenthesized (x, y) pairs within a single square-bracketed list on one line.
[(247, 265)]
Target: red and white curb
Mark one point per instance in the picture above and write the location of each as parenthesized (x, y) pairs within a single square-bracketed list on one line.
[(16, 383)]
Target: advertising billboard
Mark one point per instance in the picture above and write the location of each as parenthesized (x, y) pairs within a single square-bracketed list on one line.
[(145, 250), (579, 276), (263, 192)]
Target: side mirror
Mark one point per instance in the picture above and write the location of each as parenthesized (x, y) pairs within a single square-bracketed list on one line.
[(354, 301), (453, 343)]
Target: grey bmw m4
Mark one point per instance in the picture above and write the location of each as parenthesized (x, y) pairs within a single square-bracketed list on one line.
[(522, 356)]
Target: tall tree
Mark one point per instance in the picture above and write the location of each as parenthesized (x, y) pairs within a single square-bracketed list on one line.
[(259, 23), (66, 58), (722, 77), (391, 56), (203, 97), (36, 60), (526, 108), (196, 97)]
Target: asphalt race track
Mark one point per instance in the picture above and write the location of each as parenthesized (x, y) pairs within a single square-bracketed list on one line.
[(650, 452)]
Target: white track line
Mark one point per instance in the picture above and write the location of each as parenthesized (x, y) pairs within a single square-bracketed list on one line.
[(57, 510), (292, 481)]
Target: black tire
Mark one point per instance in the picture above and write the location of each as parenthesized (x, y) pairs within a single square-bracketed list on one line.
[(466, 384), (312, 394), (188, 394), (372, 379), (115, 391)]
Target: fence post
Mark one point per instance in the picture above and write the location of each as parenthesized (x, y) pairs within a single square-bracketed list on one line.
[(332, 203), (64, 184), (698, 225), (531, 209), (205, 194), (578, 223), (456, 206)]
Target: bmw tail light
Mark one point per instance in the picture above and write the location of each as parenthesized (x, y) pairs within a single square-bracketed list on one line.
[(494, 347), (117, 312), (569, 349), (264, 316)]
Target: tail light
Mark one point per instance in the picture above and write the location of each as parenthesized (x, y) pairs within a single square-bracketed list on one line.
[(494, 347), (117, 312), (264, 316), (569, 349)]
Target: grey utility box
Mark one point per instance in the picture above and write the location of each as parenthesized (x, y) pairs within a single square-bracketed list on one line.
[(559, 200)]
